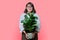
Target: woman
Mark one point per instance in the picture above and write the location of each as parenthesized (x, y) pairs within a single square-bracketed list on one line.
[(29, 9)]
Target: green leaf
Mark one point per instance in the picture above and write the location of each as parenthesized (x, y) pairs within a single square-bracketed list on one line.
[(29, 22)]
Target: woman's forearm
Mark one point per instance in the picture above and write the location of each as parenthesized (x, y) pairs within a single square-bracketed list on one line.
[(24, 31)]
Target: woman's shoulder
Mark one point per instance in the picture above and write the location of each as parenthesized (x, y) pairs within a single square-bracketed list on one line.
[(36, 14), (23, 14)]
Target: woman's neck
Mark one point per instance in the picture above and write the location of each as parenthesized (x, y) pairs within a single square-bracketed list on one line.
[(28, 12)]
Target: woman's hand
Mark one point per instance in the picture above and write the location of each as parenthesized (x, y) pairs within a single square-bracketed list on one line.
[(25, 34)]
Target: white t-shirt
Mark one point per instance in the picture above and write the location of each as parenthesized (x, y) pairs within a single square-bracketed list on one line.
[(21, 24)]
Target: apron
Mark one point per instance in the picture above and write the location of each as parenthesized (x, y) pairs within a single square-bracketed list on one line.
[(24, 38)]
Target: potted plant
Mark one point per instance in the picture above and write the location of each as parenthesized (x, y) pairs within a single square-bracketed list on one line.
[(29, 23)]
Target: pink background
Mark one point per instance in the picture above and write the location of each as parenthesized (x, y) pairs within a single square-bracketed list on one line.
[(48, 10)]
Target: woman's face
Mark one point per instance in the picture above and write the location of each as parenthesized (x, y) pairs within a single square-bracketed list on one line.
[(29, 8)]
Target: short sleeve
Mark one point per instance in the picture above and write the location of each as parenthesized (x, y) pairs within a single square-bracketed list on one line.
[(21, 24), (38, 23)]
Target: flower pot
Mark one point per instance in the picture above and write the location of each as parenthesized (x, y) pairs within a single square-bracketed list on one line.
[(30, 35)]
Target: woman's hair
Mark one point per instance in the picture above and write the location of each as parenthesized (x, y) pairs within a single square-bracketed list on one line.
[(25, 11)]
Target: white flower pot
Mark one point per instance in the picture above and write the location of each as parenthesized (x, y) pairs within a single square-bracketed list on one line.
[(30, 35)]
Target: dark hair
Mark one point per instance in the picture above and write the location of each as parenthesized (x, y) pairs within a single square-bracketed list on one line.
[(25, 11)]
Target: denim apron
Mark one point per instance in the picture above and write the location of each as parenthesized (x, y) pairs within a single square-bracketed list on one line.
[(24, 37)]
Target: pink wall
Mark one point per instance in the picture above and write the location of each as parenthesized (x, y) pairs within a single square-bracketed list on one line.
[(48, 10)]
